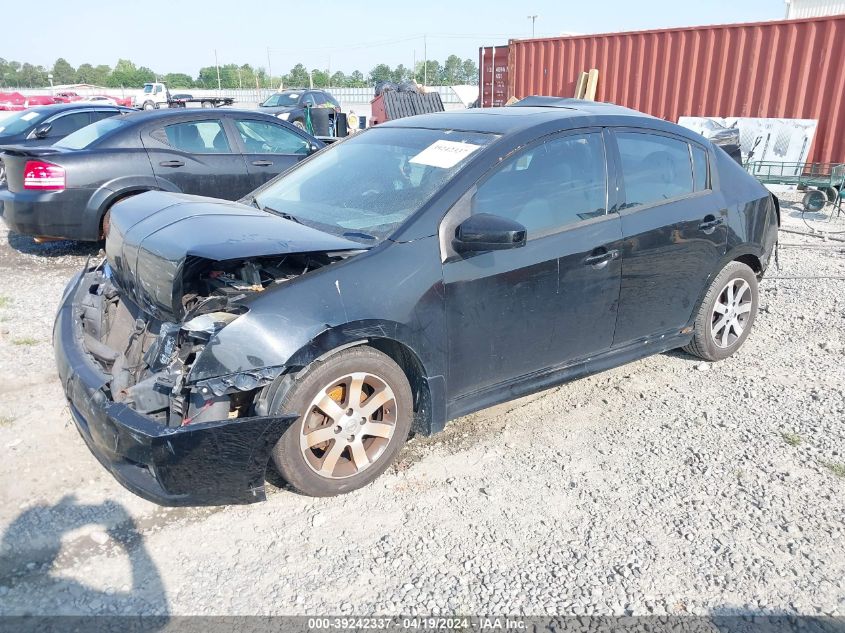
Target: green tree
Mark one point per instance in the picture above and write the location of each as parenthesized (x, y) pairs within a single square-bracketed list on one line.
[(124, 74), (338, 80), (469, 72), (63, 72), (8, 73), (320, 78), (178, 80), (102, 74), (85, 74), (144, 75), (32, 76), (381, 72), (429, 74), (401, 74), (356, 80), (297, 77), (452, 73)]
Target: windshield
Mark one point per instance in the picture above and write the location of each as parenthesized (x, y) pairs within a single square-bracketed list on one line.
[(87, 135), (282, 99), (366, 187), (148, 88), (21, 122)]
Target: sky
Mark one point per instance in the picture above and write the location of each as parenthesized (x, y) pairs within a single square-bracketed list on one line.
[(181, 36)]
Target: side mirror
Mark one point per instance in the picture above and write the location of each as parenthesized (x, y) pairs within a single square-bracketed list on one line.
[(43, 130), (486, 232)]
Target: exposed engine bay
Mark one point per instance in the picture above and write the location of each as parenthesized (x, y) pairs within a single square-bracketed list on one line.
[(149, 359)]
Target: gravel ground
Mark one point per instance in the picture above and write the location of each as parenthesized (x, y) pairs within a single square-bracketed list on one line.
[(664, 486)]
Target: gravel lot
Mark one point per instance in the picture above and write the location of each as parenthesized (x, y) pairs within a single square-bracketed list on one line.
[(664, 486)]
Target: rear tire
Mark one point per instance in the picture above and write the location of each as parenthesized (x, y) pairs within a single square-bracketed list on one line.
[(356, 410), (726, 315)]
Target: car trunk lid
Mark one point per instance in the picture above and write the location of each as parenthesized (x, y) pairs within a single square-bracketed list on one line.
[(14, 159)]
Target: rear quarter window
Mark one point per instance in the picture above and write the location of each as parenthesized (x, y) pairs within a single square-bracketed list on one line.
[(700, 171), (654, 168), (91, 134)]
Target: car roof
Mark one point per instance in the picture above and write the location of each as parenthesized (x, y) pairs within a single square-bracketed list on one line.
[(138, 116), (533, 112), (73, 105)]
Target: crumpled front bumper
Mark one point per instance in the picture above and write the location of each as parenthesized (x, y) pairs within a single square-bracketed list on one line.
[(209, 463)]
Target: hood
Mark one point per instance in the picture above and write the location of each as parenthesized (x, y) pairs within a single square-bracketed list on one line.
[(153, 235)]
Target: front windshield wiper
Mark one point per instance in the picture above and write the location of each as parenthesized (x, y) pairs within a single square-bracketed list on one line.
[(287, 216)]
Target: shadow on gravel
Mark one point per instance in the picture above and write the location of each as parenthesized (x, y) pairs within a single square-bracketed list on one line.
[(682, 355), (32, 554), (60, 248)]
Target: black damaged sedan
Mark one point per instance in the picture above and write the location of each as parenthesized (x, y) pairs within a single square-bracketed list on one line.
[(417, 272)]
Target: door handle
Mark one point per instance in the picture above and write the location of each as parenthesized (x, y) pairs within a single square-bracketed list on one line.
[(263, 163), (710, 223), (600, 259), (172, 163)]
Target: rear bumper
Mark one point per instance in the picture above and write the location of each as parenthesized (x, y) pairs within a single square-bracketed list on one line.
[(211, 463), (59, 214)]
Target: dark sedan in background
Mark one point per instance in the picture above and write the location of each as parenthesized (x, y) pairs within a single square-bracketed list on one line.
[(44, 125), (454, 261), (290, 105), (67, 189)]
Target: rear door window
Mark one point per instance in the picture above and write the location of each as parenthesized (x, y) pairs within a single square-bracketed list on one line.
[(198, 137), (99, 115), (68, 123), (699, 168), (263, 137), (655, 168)]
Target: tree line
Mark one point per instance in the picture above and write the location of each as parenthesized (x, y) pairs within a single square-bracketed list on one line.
[(125, 74)]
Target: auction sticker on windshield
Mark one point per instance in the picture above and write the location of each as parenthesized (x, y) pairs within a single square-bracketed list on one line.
[(444, 154)]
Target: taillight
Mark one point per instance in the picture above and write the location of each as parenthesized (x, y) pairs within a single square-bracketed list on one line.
[(44, 176)]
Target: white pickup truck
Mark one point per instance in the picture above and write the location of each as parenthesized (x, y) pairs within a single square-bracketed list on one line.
[(156, 95)]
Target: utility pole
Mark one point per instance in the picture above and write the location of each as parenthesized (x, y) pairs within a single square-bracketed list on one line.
[(425, 61), (269, 69), (219, 85), (533, 19)]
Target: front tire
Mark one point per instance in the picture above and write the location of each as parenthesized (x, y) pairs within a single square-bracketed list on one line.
[(356, 410), (726, 314), (149, 105)]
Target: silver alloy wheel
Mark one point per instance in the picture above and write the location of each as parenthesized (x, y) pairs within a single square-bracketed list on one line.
[(348, 425), (2, 173), (730, 313)]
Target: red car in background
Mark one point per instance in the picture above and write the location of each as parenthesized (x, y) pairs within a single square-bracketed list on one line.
[(15, 101)]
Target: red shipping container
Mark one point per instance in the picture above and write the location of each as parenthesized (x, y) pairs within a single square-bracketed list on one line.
[(784, 69)]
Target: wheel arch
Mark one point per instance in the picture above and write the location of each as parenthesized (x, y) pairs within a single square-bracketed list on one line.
[(428, 390), (743, 254)]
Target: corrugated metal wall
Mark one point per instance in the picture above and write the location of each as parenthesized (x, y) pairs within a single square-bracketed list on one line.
[(786, 69)]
